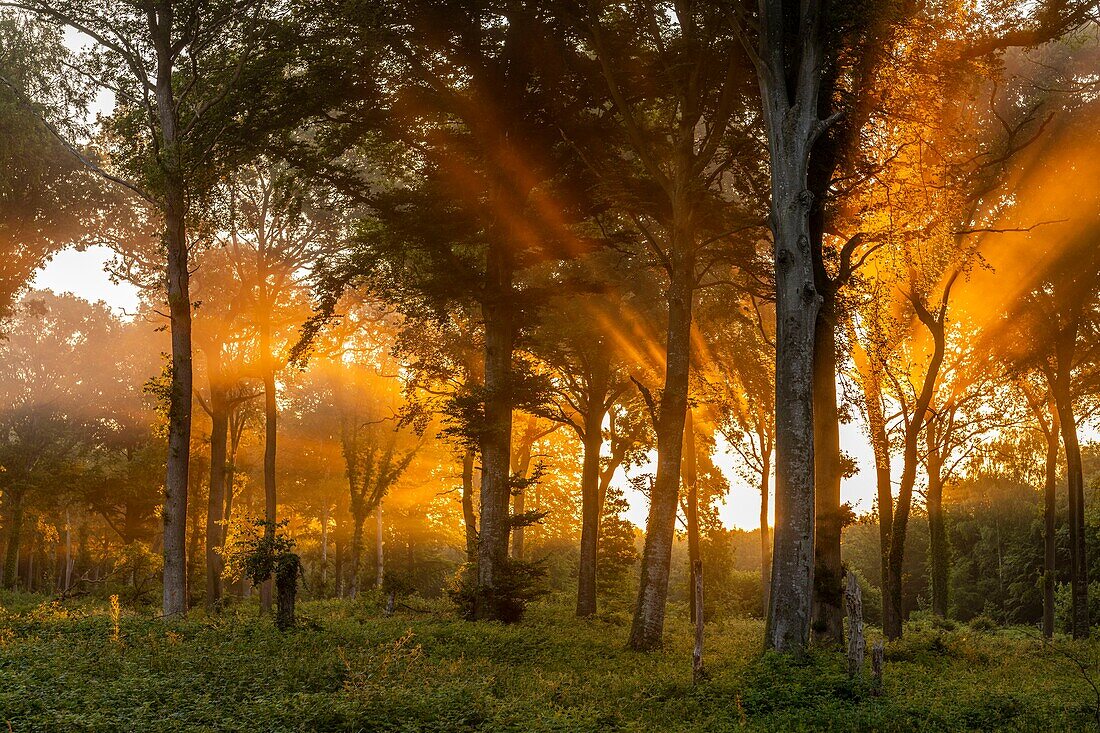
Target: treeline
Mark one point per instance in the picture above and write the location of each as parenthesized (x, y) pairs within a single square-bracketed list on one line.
[(537, 242)]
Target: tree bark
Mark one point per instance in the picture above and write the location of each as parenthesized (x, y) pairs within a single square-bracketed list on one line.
[(765, 535), (937, 532), (379, 549), (358, 519), (590, 511), (697, 603), (690, 476), (468, 515), (174, 210), (496, 434), (15, 538), (789, 60), (797, 303), (1075, 480), (271, 425), (828, 604), (215, 530), (649, 615), (1050, 514)]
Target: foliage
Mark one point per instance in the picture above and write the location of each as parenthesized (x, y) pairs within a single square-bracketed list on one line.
[(350, 668), (518, 583)]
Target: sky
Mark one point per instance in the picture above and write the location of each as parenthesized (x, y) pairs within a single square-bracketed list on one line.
[(82, 274)]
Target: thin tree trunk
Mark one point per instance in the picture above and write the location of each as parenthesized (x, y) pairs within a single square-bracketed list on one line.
[(215, 530), (880, 446), (765, 535), (468, 515), (324, 551), (649, 616), (1075, 481), (358, 519), (690, 477), (271, 418), (496, 434), (15, 538), (1050, 513), (379, 544), (937, 533), (68, 552), (590, 516), (893, 611), (521, 466), (828, 603), (174, 210)]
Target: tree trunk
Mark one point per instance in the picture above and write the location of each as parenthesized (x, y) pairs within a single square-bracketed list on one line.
[(765, 536), (324, 552), (697, 603), (1050, 514), (856, 644), (15, 538), (937, 533), (358, 518), (880, 446), (379, 544), (468, 515), (337, 564), (690, 477), (215, 530), (236, 432), (496, 434), (828, 604), (174, 211), (68, 552), (893, 611), (521, 466), (914, 428), (1075, 479), (797, 304), (590, 511), (271, 418), (649, 615)]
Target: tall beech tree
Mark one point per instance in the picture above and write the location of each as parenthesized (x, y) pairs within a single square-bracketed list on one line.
[(674, 79), (177, 71), (788, 53)]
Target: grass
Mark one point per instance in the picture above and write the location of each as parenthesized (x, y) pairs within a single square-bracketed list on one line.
[(347, 668)]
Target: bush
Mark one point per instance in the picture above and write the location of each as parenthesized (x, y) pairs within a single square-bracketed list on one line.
[(1063, 605), (518, 583)]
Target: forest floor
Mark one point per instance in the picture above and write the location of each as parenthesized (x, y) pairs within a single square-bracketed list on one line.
[(347, 668)]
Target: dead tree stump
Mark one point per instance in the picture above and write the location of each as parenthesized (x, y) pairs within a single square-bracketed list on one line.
[(876, 668), (857, 644)]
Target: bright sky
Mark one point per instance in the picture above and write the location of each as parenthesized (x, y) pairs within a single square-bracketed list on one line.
[(741, 507), (82, 274)]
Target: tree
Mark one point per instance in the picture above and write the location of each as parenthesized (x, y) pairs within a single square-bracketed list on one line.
[(680, 175), (46, 198), (788, 54), (176, 70), (589, 377)]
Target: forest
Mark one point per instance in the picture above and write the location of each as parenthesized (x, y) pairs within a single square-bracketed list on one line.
[(549, 365)]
